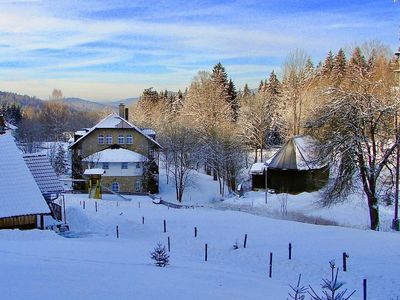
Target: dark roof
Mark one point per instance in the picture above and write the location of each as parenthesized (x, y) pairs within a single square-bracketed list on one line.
[(296, 154), (43, 173)]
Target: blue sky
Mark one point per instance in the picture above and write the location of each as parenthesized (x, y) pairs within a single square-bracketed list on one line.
[(109, 50)]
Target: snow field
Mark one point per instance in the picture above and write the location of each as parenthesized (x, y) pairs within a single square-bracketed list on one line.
[(91, 263)]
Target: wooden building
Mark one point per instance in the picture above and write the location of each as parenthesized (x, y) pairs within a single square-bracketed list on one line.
[(295, 168), (21, 202)]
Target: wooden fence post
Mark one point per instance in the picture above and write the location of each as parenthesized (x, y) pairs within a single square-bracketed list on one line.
[(165, 226), (95, 204), (142, 220), (270, 264), (117, 232), (195, 232), (290, 251), (169, 245), (364, 289), (345, 256), (245, 241), (84, 204), (205, 252)]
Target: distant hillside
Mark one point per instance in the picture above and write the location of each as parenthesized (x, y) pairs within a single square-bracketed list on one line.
[(128, 101), (74, 103), (22, 100), (84, 105)]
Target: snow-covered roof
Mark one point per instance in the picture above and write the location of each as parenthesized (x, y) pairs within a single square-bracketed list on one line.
[(10, 126), (148, 131), (81, 132), (296, 154), (115, 155), (257, 168), (19, 193), (94, 172), (114, 121), (43, 173)]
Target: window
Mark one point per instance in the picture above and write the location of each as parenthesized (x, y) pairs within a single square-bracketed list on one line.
[(124, 165), (106, 165), (100, 139), (138, 165), (109, 139), (138, 186), (121, 139), (151, 153), (115, 187), (129, 139)]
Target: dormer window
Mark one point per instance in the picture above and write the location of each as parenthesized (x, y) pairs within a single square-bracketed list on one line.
[(121, 139), (100, 139), (129, 139), (109, 139)]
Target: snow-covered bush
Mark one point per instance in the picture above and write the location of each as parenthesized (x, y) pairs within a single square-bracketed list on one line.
[(298, 292), (331, 287), (160, 256)]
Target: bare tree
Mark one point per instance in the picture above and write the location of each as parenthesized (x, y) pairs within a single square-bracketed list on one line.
[(295, 86), (356, 130), (181, 149)]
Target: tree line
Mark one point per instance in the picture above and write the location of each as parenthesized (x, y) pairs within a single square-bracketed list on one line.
[(348, 103)]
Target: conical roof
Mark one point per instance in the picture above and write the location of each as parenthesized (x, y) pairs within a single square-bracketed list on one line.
[(296, 154)]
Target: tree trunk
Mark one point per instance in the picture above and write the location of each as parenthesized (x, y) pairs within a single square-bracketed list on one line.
[(373, 212)]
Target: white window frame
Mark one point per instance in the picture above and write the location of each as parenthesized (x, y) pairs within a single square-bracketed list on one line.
[(124, 166), (100, 139), (109, 139), (138, 165), (121, 139), (129, 139), (113, 185), (106, 165)]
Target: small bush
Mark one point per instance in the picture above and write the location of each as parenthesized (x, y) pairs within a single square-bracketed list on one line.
[(160, 256)]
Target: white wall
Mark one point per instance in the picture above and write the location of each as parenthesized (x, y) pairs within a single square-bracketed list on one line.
[(115, 169)]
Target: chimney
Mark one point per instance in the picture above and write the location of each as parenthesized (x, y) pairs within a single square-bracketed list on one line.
[(2, 125), (122, 110), (126, 114)]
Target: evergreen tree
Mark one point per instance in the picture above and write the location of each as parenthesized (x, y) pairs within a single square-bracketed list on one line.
[(229, 94), (59, 161), (160, 256), (357, 61), (327, 65), (339, 67), (309, 71), (246, 91), (12, 113), (273, 86), (261, 86), (233, 101)]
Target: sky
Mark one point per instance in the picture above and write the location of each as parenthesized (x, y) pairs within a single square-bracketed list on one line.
[(109, 50)]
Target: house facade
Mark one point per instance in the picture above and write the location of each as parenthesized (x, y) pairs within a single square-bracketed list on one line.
[(128, 155)]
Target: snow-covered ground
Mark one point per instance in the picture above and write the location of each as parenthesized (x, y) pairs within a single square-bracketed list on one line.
[(91, 263)]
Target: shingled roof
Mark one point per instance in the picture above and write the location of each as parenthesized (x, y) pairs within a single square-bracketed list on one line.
[(43, 173), (19, 193)]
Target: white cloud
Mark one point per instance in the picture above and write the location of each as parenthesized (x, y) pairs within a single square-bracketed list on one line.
[(180, 41)]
